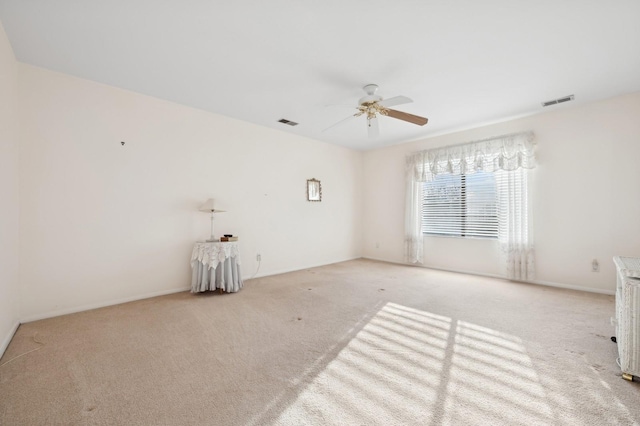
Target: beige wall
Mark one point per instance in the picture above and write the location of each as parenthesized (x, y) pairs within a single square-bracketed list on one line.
[(102, 222), (9, 209), (585, 196)]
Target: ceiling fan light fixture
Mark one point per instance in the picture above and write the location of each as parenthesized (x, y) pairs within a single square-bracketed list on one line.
[(372, 109), (373, 105)]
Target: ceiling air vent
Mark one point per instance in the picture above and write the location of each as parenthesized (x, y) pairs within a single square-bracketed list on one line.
[(558, 101), (287, 122)]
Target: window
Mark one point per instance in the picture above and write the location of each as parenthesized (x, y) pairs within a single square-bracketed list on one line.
[(461, 205), (490, 202)]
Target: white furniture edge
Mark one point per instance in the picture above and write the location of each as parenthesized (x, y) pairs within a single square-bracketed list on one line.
[(628, 266)]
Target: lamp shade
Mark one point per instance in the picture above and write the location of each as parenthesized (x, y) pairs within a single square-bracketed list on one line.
[(209, 206)]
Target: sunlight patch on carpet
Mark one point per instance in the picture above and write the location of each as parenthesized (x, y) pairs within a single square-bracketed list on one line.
[(491, 378), (408, 366)]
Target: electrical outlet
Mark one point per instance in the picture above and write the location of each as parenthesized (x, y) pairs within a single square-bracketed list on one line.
[(595, 266), (258, 257)]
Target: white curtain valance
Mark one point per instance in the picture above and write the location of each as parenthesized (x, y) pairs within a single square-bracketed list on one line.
[(510, 155), (507, 152)]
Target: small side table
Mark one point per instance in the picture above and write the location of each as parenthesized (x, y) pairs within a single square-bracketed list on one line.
[(215, 265)]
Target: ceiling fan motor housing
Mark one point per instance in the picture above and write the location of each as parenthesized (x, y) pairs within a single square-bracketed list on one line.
[(371, 97)]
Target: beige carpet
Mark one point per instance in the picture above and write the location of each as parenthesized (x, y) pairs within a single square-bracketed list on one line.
[(355, 343)]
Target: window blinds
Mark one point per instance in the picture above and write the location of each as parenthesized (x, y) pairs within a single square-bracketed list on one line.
[(461, 205)]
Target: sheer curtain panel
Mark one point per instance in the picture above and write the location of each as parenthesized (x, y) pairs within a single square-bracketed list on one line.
[(509, 157), (415, 175), (515, 227)]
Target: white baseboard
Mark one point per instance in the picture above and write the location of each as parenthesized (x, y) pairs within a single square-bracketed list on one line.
[(537, 282), (97, 305), (574, 287), (7, 339), (300, 268)]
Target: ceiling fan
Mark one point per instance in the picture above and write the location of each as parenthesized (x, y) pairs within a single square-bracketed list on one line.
[(372, 105)]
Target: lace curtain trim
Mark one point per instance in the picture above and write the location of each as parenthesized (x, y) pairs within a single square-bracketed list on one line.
[(508, 152), (211, 254)]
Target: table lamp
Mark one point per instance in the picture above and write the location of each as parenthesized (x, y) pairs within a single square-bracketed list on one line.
[(208, 206)]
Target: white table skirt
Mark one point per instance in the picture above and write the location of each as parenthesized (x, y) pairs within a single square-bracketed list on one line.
[(215, 266)]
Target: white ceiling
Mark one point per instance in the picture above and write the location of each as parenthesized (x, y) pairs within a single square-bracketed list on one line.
[(463, 62)]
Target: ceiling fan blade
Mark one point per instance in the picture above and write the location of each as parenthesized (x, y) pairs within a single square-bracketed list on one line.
[(373, 128), (340, 122), (396, 100), (415, 119)]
